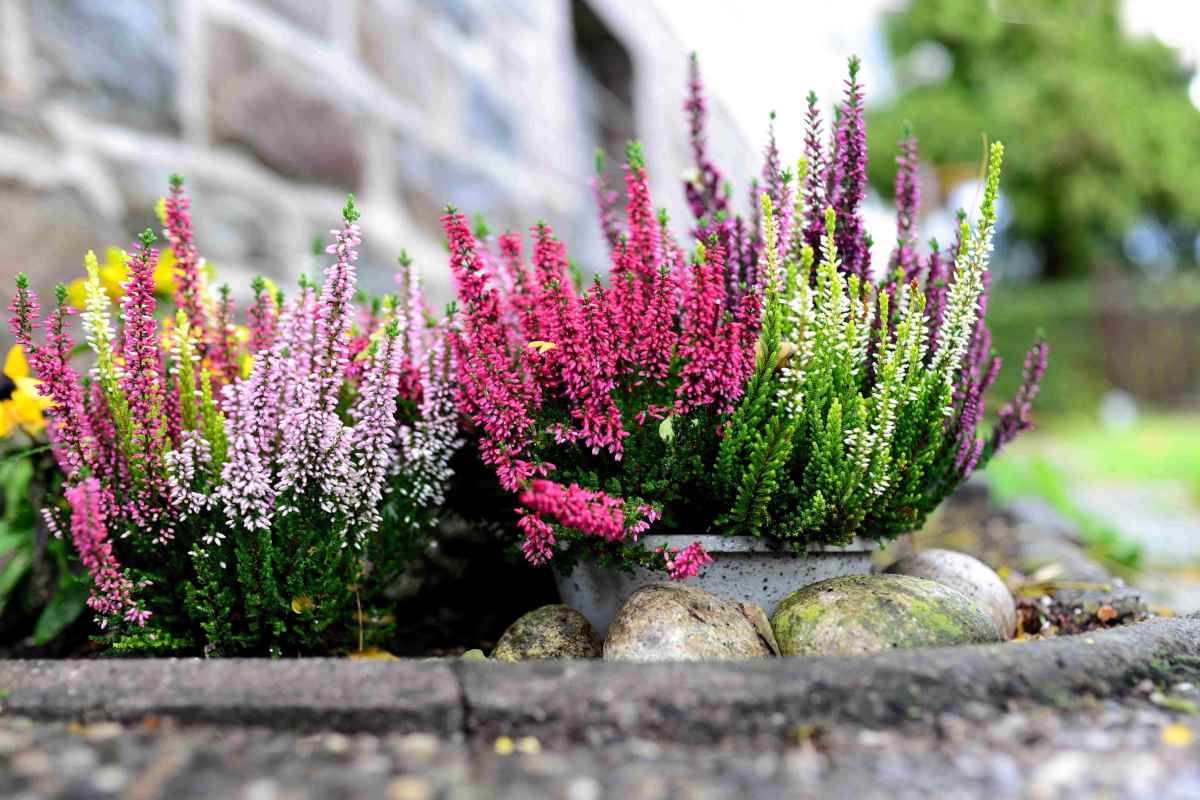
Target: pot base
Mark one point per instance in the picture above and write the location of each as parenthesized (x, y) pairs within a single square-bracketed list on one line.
[(743, 569)]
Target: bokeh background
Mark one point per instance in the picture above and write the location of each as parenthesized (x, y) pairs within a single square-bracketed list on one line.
[(274, 109)]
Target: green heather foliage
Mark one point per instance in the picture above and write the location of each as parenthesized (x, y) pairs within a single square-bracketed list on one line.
[(843, 427)]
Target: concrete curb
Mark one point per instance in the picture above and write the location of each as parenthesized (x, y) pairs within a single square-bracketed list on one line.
[(597, 702)]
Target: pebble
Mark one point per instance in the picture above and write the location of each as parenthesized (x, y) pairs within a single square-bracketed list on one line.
[(968, 575), (862, 614), (549, 632), (674, 622), (410, 788)]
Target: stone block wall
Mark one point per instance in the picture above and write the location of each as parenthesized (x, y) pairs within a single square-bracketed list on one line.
[(274, 109)]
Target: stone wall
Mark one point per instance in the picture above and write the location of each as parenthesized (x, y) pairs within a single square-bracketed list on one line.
[(274, 109)]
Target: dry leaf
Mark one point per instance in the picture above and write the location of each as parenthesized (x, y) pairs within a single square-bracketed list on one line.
[(302, 603), (372, 654)]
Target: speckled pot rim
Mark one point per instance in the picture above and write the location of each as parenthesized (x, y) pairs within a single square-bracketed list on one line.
[(714, 543)]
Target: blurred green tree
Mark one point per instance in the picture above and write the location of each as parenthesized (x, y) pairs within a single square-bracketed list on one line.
[(1099, 127)]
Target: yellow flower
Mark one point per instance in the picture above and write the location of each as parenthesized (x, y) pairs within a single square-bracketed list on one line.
[(20, 403), (113, 273)]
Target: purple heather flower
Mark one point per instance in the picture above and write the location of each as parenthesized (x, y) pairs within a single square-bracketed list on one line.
[(850, 174), (1016, 416), (904, 263)]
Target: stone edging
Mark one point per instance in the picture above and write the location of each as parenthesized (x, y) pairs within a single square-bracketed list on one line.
[(596, 702)]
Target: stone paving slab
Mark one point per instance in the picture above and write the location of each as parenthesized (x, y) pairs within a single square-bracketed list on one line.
[(288, 693), (597, 702)]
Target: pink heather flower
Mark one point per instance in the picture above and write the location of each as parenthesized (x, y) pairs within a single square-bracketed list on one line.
[(112, 591), (424, 449), (178, 233), (222, 348), (248, 487), (606, 203), (648, 515), (263, 317), (374, 429), (538, 546), (685, 563), (593, 513), (69, 425), (495, 389), (141, 377), (717, 353)]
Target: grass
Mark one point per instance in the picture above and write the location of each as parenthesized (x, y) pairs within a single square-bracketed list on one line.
[(1157, 448)]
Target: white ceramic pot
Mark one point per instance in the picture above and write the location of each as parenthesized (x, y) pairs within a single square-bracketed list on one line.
[(744, 569)]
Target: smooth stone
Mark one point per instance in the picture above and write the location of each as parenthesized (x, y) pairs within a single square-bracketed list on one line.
[(549, 632), (968, 575), (675, 622), (872, 613)]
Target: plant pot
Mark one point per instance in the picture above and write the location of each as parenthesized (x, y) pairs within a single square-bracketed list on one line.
[(744, 568)]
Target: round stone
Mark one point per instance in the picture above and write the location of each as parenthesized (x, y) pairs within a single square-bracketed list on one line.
[(968, 575), (871, 613), (549, 632), (674, 622)]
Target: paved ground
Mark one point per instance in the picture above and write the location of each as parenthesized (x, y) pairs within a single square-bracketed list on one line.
[(1128, 748)]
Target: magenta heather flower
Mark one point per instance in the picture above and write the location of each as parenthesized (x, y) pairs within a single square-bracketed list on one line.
[(590, 512), (69, 425), (548, 371), (141, 377), (717, 353), (112, 592), (538, 544), (685, 563), (606, 203), (178, 232), (494, 392)]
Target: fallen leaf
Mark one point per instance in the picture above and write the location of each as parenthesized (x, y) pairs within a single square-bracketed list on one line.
[(1170, 703), (372, 654), (1047, 572), (1106, 613), (529, 745), (1177, 735)]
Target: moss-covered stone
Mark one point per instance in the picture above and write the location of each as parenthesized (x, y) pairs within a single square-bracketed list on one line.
[(968, 575), (871, 613), (549, 632)]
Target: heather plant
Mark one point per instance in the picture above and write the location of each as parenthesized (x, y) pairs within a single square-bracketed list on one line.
[(863, 410), (766, 383), (244, 489)]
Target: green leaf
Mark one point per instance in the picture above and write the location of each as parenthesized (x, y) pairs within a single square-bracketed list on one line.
[(666, 430), (63, 609), (12, 569)]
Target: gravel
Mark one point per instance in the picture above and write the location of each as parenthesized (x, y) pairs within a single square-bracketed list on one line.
[(1116, 748)]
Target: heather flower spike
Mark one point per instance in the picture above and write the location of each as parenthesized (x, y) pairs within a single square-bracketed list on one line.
[(210, 476)]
